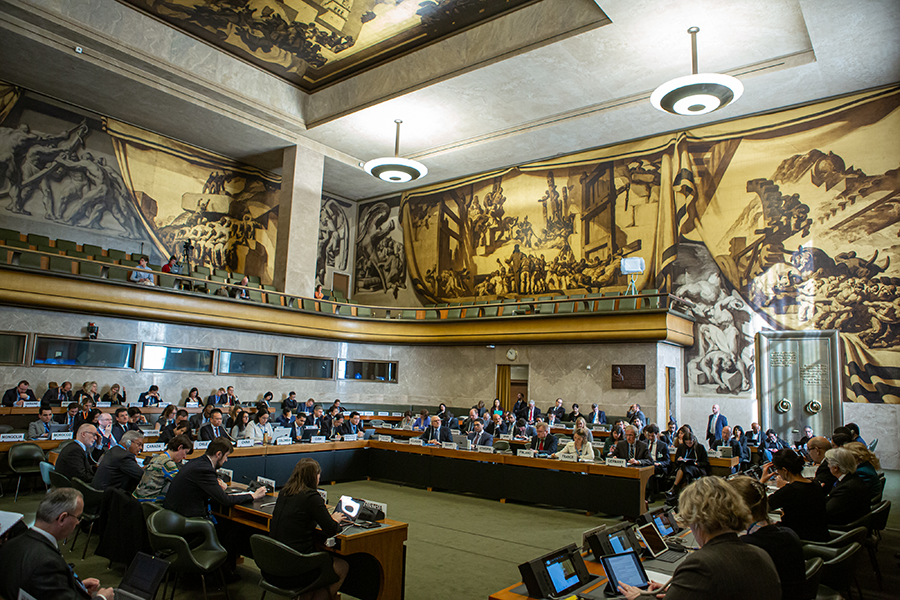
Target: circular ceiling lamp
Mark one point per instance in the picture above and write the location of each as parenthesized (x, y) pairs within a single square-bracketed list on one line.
[(395, 169), (699, 93)]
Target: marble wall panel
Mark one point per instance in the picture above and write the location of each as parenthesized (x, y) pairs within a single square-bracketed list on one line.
[(881, 421)]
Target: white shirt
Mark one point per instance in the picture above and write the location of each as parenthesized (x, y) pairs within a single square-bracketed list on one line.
[(255, 431), (46, 535)]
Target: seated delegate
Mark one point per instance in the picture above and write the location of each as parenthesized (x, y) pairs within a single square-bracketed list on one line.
[(579, 446), (850, 498), (161, 470), (724, 567), (436, 433), (543, 441), (801, 500)]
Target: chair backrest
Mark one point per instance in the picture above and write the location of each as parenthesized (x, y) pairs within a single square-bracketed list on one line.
[(45, 472), (164, 528), (58, 480), (501, 445), (92, 498), (276, 559), (25, 455), (880, 516), (813, 575)]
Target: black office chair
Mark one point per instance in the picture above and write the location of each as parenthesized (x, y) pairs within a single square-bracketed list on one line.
[(167, 530), (501, 445), (877, 524), (813, 576), (25, 459), (92, 501), (839, 567), (58, 480), (278, 561), (840, 539)]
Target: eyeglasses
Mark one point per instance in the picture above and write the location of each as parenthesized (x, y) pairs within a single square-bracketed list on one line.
[(77, 518)]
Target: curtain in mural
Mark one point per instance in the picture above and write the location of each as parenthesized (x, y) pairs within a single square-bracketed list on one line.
[(787, 220), (226, 210)]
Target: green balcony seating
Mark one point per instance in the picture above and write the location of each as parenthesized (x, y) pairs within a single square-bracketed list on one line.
[(9, 234), (76, 254), (651, 302), (609, 301), (92, 250), (128, 263), (454, 313), (344, 309), (107, 259), (29, 260), (17, 244), (47, 249), (363, 311), (220, 273), (61, 265), (66, 245), (203, 270), (407, 314), (118, 273), (273, 299), (546, 309), (166, 281), (252, 279), (491, 310), (255, 295), (309, 304), (90, 269), (117, 254), (38, 240)]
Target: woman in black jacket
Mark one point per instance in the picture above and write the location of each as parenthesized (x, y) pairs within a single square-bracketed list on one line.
[(691, 462), (297, 512)]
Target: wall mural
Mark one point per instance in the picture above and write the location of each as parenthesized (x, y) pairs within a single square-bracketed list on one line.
[(319, 42), (74, 175), (380, 253), (335, 220), (784, 221)]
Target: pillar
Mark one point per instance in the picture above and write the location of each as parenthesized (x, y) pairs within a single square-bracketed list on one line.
[(298, 221)]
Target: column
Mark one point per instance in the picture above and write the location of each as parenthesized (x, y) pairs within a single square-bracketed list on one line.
[(298, 221)]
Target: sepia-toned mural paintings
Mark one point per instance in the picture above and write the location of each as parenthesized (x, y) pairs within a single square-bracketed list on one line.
[(333, 250), (380, 253), (782, 221), (73, 175), (317, 42)]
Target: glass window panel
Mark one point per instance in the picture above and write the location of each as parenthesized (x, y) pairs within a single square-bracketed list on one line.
[(12, 348), (304, 367), (169, 358), (367, 370), (245, 363), (83, 353)]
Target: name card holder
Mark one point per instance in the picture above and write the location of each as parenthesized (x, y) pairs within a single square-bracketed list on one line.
[(615, 462), (384, 414), (415, 441), (568, 457), (384, 438), (455, 432), (525, 453), (12, 437), (32, 404), (225, 475), (158, 447), (192, 405), (317, 439), (164, 404), (130, 404), (245, 443), (351, 437), (367, 413), (376, 506), (283, 441), (486, 449), (596, 429), (61, 435), (201, 445), (505, 436), (269, 483), (394, 414), (104, 404), (449, 446)]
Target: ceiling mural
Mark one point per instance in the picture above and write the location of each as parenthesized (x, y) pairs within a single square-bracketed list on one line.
[(314, 43)]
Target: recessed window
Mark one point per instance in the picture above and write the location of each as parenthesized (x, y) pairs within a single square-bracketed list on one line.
[(246, 363), (307, 367), (83, 353), (170, 358), (368, 370), (12, 348)]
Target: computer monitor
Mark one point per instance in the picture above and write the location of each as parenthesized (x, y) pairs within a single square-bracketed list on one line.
[(614, 540), (672, 518), (625, 567), (556, 574), (57, 427), (281, 432), (661, 520), (726, 451)]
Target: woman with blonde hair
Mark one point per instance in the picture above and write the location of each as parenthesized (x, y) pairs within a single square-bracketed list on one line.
[(298, 510), (579, 446), (113, 396), (88, 390), (724, 567), (867, 464), (581, 422)]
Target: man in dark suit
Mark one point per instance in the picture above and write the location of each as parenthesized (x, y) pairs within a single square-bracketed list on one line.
[(68, 417), (558, 409), (635, 411), (496, 427), (58, 396), (290, 402), (74, 459), (817, 447), (469, 424), (543, 441), (596, 416), (201, 418), (850, 498), (436, 434), (220, 397), (121, 425), (19, 395), (714, 426), (150, 397), (728, 440), (657, 457), (552, 420), (532, 412), (118, 468), (352, 426), (214, 428), (478, 436), (770, 446), (40, 429), (32, 561), (172, 430), (631, 449), (522, 429), (520, 406), (196, 484)]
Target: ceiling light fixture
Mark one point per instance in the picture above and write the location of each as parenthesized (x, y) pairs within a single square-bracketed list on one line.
[(699, 93), (394, 168)]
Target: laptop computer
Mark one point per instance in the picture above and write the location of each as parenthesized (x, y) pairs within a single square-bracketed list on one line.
[(57, 427), (657, 546), (142, 578), (281, 432), (461, 440), (726, 451), (349, 507)]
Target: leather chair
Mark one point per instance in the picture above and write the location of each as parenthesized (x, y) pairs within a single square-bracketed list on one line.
[(877, 524), (92, 501), (813, 576), (167, 530), (276, 560), (45, 473), (840, 539), (501, 445), (58, 480), (25, 459), (839, 567)]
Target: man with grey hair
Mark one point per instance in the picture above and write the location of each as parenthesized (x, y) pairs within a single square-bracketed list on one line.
[(32, 561), (850, 497), (118, 467), (631, 449)]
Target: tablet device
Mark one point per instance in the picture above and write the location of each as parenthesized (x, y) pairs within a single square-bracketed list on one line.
[(142, 578), (624, 568), (657, 546)]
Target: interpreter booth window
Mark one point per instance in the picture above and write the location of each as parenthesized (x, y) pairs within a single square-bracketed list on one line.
[(307, 367), (367, 370), (12, 348), (169, 358), (52, 352), (246, 363)]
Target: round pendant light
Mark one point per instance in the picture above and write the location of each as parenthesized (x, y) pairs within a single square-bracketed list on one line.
[(699, 93), (394, 168)]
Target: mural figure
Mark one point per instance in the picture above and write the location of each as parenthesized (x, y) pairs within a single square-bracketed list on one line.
[(334, 238), (380, 260)]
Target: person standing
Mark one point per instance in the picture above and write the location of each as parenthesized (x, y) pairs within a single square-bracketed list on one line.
[(714, 427)]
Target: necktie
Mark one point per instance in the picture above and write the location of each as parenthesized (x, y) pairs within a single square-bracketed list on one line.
[(46, 427), (477, 439), (630, 450), (541, 445), (217, 431), (653, 451)]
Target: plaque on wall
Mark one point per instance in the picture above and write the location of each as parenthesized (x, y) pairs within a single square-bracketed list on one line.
[(628, 377)]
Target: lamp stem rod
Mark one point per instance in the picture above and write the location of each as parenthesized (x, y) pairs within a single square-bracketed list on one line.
[(397, 140), (693, 31)]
